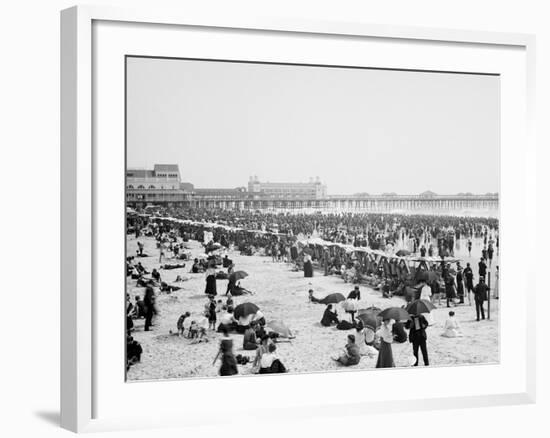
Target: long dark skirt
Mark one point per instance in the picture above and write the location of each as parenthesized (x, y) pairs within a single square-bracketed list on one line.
[(308, 269), (460, 289), (229, 365), (210, 285), (385, 356)]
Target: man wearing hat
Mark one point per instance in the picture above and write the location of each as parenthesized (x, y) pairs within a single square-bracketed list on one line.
[(480, 295)]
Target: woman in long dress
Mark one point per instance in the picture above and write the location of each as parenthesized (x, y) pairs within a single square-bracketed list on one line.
[(385, 354), (308, 266), (210, 281)]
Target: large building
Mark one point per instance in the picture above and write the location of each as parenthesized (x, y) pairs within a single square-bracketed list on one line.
[(158, 186), (219, 193), (313, 189)]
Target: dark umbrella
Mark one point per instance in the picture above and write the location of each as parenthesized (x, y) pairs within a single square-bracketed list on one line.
[(397, 313), (403, 252), (238, 275), (245, 309), (422, 275), (420, 306), (370, 319), (308, 250), (214, 246), (333, 298), (372, 309)]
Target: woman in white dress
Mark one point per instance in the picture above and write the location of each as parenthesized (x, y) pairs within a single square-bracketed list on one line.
[(452, 327)]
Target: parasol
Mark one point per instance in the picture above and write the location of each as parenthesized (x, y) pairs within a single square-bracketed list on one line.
[(350, 305), (281, 328), (370, 319), (420, 306), (245, 309), (333, 298), (238, 275), (370, 309), (397, 313)]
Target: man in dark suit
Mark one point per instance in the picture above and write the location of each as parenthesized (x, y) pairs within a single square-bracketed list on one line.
[(417, 336), (482, 267), (480, 295)]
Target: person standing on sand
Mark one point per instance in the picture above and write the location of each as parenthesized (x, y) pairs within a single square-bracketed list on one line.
[(460, 284), (161, 253), (308, 266), (480, 295), (149, 302), (385, 354), (469, 280), (417, 336), (211, 309), (482, 268), (490, 252), (450, 289), (210, 275)]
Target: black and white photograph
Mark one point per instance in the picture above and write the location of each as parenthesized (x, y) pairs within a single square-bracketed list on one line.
[(296, 218)]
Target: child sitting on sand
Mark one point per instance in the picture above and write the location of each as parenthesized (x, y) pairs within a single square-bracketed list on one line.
[(193, 330)]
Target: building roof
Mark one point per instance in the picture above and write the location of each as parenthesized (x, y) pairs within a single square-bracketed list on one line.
[(166, 168), (187, 186), (140, 173), (200, 191), (428, 193)]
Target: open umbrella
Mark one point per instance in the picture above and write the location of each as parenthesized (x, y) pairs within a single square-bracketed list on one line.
[(403, 252), (370, 319), (308, 250), (397, 313), (370, 309), (333, 298), (350, 305), (238, 275), (422, 275), (245, 309), (214, 246), (420, 306), (280, 327)]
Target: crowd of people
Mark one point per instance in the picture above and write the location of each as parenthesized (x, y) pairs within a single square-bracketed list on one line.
[(286, 238)]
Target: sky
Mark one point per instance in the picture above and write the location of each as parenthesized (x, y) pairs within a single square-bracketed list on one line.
[(358, 130)]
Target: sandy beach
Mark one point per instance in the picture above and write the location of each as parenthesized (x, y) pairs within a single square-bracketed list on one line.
[(282, 294)]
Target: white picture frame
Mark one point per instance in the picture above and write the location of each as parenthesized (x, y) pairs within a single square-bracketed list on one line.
[(83, 388)]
